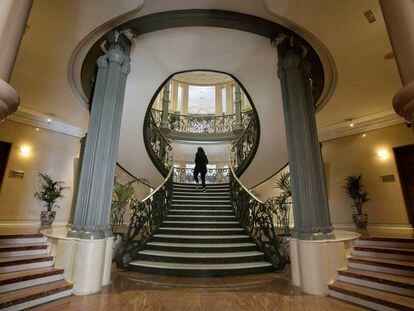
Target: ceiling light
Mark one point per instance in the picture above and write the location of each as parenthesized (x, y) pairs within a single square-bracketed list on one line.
[(370, 16), (25, 150), (37, 129), (350, 123), (49, 120), (364, 135), (383, 154)]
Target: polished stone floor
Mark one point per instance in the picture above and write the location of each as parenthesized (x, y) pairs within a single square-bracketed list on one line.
[(139, 291)]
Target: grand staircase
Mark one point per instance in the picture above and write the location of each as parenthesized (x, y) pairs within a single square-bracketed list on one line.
[(380, 274), (27, 273), (201, 237)]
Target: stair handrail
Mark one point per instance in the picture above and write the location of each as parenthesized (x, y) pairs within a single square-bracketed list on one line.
[(250, 133), (256, 217), (148, 214), (157, 145)]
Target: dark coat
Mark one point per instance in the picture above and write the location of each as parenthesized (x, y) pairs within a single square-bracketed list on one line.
[(201, 162)]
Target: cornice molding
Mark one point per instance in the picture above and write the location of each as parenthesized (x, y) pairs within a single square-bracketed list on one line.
[(38, 119), (360, 125)]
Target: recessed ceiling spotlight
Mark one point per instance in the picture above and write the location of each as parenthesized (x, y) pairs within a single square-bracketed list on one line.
[(37, 129), (49, 120), (370, 16), (364, 135), (350, 123)]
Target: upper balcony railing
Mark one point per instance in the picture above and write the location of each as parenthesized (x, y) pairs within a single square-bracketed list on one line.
[(202, 123), (213, 176)]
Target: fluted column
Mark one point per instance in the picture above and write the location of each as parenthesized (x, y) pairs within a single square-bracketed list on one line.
[(13, 18), (76, 178), (218, 100), (165, 106), (399, 19), (310, 203), (237, 106), (185, 99), (229, 98), (93, 205)]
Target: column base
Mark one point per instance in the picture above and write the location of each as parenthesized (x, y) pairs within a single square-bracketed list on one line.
[(312, 236), (87, 263), (314, 264)]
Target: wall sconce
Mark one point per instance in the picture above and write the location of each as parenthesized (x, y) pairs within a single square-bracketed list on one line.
[(25, 150), (383, 154)]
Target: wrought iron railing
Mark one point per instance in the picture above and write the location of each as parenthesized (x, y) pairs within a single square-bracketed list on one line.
[(146, 218), (245, 147), (202, 123), (158, 147), (213, 176), (257, 218)]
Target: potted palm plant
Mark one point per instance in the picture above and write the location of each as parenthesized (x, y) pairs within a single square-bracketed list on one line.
[(49, 192), (281, 206), (122, 195), (354, 190)]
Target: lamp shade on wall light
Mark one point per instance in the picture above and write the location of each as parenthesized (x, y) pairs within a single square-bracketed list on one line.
[(25, 150), (383, 154)]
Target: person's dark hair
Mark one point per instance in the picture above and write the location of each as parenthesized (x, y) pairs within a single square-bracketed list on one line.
[(200, 150)]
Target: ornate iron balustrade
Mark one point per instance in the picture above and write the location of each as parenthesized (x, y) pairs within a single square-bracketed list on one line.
[(202, 123), (245, 146), (158, 147), (257, 218), (146, 218), (213, 176)]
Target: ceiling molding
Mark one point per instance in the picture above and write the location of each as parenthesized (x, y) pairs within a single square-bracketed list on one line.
[(360, 125), (38, 119)]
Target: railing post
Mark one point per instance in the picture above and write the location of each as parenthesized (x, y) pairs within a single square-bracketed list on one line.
[(310, 202)]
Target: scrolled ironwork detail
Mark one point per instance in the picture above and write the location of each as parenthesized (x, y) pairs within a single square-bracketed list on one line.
[(257, 218), (213, 176), (145, 219), (245, 147)]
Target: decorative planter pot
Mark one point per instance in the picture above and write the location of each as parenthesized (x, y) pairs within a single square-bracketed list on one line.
[(361, 221), (285, 246), (46, 218)]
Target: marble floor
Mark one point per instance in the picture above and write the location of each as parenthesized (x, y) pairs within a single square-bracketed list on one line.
[(139, 291)]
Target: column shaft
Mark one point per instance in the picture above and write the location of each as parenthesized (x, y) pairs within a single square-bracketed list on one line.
[(237, 105), (185, 99), (229, 98), (310, 203), (218, 100), (165, 106), (93, 204)]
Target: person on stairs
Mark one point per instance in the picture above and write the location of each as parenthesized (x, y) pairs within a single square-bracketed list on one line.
[(201, 162)]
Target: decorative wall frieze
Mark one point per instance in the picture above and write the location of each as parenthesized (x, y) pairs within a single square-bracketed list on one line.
[(360, 125), (42, 120)]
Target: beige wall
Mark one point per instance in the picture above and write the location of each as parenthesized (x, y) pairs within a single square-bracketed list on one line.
[(52, 153), (354, 155)]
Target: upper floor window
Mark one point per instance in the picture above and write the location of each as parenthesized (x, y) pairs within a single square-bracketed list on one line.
[(201, 99)]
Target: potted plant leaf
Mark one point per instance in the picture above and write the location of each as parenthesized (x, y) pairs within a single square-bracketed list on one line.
[(49, 192), (354, 189), (122, 195), (281, 206)]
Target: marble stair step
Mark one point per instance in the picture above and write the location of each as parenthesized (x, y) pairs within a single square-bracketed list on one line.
[(196, 247), (369, 297), (18, 263), (228, 212), (383, 281), (193, 269), (29, 297), (193, 185), (200, 257), (215, 218), (200, 205), (205, 207), (398, 267), (200, 197), (21, 249), (207, 239), (386, 242), (200, 231), (26, 278), (25, 238), (384, 252)]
